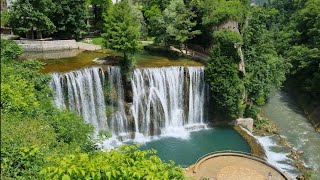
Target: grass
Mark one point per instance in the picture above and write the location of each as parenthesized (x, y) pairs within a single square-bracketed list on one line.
[(97, 41)]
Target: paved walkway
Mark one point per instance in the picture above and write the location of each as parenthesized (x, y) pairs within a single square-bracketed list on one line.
[(192, 54), (231, 166)]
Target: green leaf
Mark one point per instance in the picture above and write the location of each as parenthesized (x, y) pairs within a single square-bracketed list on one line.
[(66, 177)]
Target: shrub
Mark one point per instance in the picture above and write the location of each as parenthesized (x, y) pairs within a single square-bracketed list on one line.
[(126, 162)]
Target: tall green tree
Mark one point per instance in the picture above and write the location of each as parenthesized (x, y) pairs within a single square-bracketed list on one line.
[(122, 32), (70, 18), (222, 74), (122, 29), (155, 23), (32, 15), (179, 21)]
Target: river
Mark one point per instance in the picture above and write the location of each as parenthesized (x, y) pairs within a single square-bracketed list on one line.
[(295, 126)]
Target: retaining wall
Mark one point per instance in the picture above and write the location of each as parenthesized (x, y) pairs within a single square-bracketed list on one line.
[(38, 45)]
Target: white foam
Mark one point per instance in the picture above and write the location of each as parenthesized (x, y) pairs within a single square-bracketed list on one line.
[(278, 159), (176, 132)]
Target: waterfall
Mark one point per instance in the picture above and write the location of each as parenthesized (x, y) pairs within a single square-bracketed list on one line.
[(197, 95), (165, 101), (158, 99), (84, 92), (118, 123)]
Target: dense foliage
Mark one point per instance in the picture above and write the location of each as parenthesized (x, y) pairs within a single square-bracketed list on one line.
[(179, 23), (265, 69), (36, 136), (70, 18), (30, 15), (127, 162), (223, 74), (31, 126), (170, 22), (298, 41), (217, 12), (63, 19)]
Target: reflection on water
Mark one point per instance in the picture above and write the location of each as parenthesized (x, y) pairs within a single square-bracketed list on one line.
[(294, 125), (151, 60), (81, 60)]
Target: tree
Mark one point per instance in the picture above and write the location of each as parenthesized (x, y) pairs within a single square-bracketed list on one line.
[(222, 73), (178, 19), (122, 29), (156, 24), (219, 11), (70, 18), (297, 41), (161, 4), (99, 7), (265, 69), (4, 18), (32, 15)]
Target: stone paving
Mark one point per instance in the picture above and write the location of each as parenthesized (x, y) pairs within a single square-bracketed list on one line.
[(232, 167)]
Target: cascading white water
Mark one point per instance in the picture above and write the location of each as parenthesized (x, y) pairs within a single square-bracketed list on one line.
[(119, 123), (197, 95), (159, 100), (82, 91), (166, 101)]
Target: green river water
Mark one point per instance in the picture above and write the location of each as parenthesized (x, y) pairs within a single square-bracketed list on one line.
[(295, 126), (185, 152)]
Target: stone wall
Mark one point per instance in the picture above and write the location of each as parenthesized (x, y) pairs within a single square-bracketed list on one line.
[(38, 45)]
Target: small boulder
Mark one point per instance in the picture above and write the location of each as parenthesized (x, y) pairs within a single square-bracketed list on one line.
[(245, 122)]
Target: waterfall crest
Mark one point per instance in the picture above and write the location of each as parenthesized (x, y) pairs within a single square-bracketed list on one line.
[(166, 101)]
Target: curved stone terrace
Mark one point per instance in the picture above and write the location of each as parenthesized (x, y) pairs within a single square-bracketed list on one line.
[(232, 165)]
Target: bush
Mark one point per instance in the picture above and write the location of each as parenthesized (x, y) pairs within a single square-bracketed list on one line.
[(17, 93), (126, 162), (21, 163), (70, 128), (10, 50)]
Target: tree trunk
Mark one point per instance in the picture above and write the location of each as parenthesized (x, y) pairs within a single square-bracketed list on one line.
[(32, 33), (39, 34), (186, 49)]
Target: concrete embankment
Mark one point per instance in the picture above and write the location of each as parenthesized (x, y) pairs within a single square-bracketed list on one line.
[(55, 45)]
